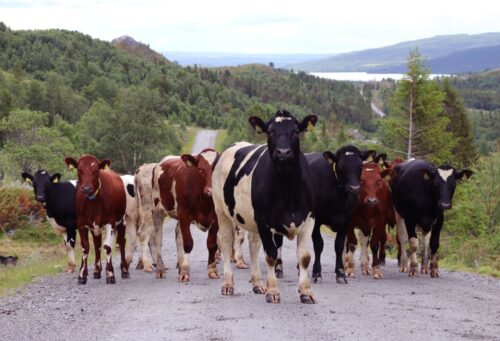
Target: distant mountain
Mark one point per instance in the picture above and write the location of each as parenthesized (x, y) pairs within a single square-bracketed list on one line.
[(445, 54), (138, 49), (221, 59)]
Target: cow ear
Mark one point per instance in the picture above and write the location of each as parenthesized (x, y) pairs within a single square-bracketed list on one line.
[(189, 160), (257, 124), (386, 173), (380, 159), (464, 174), (330, 157), (368, 155), (27, 177), (70, 162), (105, 165), (427, 174), (308, 123), (55, 178)]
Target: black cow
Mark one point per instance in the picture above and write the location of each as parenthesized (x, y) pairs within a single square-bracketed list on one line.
[(267, 190), (336, 185), (59, 200), (8, 260), (421, 192)]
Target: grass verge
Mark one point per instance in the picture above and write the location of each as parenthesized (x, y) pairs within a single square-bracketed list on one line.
[(189, 140), (219, 140)]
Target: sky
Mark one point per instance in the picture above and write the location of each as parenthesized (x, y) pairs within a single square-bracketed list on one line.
[(257, 26)]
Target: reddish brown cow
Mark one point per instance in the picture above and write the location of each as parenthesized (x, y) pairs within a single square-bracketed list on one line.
[(374, 210), (183, 187), (100, 203)]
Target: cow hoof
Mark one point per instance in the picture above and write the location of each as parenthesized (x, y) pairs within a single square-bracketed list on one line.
[(317, 277), (160, 274), (183, 278), (341, 279), (403, 269), (434, 273), (97, 275), (273, 298), (259, 290), (70, 269), (365, 271), (381, 263), (307, 299), (213, 275), (424, 270), (351, 273), (377, 274), (412, 272), (241, 265), (110, 280), (140, 265), (227, 290), (82, 280), (125, 275), (148, 269)]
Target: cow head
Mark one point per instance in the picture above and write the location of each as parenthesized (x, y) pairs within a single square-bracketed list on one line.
[(88, 167), (372, 184), (346, 164), (444, 180), (204, 169), (40, 182), (283, 136)]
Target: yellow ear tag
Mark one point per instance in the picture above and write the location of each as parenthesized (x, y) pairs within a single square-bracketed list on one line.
[(28, 180), (333, 168), (106, 168), (56, 180), (369, 158), (70, 166), (310, 126), (189, 163)]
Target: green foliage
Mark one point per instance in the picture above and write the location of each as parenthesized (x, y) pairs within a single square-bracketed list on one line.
[(415, 126), (18, 209)]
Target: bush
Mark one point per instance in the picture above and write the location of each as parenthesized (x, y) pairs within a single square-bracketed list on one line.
[(19, 210)]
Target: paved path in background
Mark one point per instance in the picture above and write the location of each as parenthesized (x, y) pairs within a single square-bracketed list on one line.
[(204, 139), (457, 306), (377, 110)]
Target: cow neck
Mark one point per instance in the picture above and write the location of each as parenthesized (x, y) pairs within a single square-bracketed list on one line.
[(290, 183), (94, 195)]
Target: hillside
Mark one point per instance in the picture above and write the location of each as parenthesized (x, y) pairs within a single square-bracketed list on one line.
[(440, 51), (138, 49)]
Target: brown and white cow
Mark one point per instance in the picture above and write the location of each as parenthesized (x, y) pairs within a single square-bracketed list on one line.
[(182, 187), (373, 211), (100, 204)]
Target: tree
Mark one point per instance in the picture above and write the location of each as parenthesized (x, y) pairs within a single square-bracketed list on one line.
[(415, 126), (464, 153)]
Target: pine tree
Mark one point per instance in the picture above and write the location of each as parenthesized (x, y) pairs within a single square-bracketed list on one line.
[(415, 126), (464, 153)]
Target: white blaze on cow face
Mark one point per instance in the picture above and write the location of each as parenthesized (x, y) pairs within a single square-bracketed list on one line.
[(280, 119), (349, 153), (445, 174)]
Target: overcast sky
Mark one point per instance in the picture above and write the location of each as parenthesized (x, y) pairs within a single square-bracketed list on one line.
[(257, 26)]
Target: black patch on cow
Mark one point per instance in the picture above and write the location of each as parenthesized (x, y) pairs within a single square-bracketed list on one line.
[(233, 178), (130, 190), (240, 219)]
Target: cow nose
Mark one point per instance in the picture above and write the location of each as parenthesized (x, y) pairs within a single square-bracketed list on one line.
[(445, 205), (372, 201), (353, 189), (284, 153), (86, 189), (40, 198)]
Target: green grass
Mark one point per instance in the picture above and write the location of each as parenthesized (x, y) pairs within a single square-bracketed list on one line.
[(189, 140), (219, 140)]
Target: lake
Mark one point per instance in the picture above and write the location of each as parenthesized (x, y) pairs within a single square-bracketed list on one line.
[(363, 76)]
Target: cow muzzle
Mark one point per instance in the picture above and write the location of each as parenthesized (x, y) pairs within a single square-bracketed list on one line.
[(40, 198), (354, 189), (371, 201), (445, 205), (283, 154)]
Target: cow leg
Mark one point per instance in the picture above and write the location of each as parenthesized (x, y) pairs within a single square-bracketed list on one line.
[(226, 235), (339, 250), (239, 238), (187, 243), (412, 234), (144, 240), (273, 294), (375, 242), (120, 238), (425, 257), (364, 240), (278, 241), (158, 218), (434, 243), (212, 248), (350, 262), (69, 241), (318, 245), (108, 246), (402, 240), (97, 239), (381, 252), (255, 273), (84, 240), (131, 233), (303, 259)]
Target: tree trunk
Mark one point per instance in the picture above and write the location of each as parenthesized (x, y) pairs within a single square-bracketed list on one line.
[(410, 128)]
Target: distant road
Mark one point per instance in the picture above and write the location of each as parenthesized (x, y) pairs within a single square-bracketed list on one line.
[(204, 139), (377, 110)]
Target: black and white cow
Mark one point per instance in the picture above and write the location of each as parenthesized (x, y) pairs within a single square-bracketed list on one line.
[(267, 190), (59, 201), (335, 179), (421, 192)]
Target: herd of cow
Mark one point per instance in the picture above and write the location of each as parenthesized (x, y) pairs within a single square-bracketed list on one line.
[(270, 191)]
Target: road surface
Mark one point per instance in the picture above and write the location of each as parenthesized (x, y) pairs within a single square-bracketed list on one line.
[(457, 306)]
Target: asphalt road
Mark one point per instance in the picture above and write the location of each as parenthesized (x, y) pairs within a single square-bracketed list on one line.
[(457, 306)]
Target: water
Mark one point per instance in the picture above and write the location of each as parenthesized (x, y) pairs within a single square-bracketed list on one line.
[(363, 76)]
